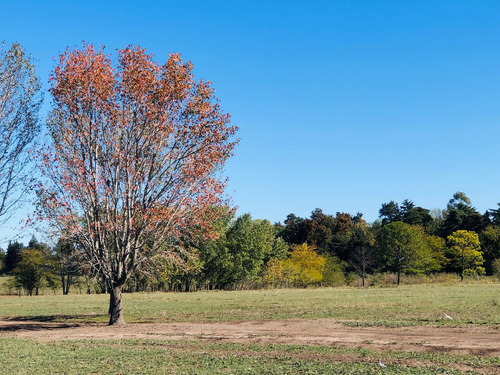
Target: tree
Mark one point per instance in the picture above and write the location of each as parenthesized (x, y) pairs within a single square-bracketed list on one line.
[(343, 225), (12, 256), (135, 160), (361, 250), (490, 244), (402, 248), (461, 215), (320, 229), (69, 262), (249, 243), (304, 266), (407, 213), (296, 229), (465, 252), (20, 101), (32, 269), (389, 212), (2, 260), (415, 215)]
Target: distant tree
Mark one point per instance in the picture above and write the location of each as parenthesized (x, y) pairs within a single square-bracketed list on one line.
[(362, 250), (20, 101), (320, 228), (2, 260), (436, 259), (240, 251), (295, 230), (273, 273), (465, 252), (32, 269), (343, 225), (407, 213), (389, 212), (438, 218), (490, 244), (69, 262), (333, 274), (461, 215), (494, 215), (279, 249), (249, 242), (304, 266), (415, 215), (402, 248), (13, 256)]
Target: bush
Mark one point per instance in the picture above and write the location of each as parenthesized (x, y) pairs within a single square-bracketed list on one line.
[(334, 272), (495, 265)]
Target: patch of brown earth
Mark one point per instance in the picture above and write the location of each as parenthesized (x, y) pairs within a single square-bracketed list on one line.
[(484, 341)]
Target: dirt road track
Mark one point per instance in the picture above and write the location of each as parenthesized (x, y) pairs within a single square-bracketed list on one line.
[(470, 340)]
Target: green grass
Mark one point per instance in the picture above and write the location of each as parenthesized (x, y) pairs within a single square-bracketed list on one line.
[(188, 357), (469, 304), (403, 306)]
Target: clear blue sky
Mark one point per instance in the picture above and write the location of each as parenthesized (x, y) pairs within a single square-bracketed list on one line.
[(342, 105)]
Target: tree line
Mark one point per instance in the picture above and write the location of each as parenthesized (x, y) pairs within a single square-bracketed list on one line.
[(322, 249)]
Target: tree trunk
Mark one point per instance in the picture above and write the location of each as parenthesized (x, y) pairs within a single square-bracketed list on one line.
[(463, 267), (363, 278), (115, 306), (399, 275)]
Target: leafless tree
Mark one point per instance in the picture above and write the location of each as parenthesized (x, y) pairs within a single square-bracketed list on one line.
[(361, 256), (20, 101)]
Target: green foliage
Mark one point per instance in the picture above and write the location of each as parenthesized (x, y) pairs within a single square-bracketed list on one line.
[(403, 248), (461, 215), (361, 247), (333, 275), (465, 253), (495, 265), (240, 251), (279, 249), (407, 213), (13, 256), (273, 273), (33, 268), (490, 245), (2, 260), (437, 258)]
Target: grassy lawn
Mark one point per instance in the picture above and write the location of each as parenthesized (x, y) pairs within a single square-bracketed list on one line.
[(403, 306), (188, 357)]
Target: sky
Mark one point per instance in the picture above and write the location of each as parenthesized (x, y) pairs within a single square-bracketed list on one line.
[(341, 105)]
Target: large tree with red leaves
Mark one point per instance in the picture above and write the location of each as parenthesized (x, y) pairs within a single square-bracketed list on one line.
[(135, 162)]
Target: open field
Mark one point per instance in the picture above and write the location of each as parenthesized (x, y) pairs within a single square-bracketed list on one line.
[(316, 331), (393, 307)]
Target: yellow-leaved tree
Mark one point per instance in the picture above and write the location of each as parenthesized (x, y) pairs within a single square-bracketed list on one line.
[(304, 266), (465, 252)]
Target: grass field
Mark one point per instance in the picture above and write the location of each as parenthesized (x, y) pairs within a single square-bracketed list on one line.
[(406, 305), (188, 357), (471, 305)]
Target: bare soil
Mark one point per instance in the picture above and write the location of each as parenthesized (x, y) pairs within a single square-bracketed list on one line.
[(477, 340)]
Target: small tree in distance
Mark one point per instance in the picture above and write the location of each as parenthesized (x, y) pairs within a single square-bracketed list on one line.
[(465, 252), (304, 266), (134, 168), (362, 250)]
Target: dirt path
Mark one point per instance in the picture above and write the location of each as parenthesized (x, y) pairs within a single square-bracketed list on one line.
[(470, 340)]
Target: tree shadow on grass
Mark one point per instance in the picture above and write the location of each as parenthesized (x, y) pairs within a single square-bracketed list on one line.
[(45, 322)]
